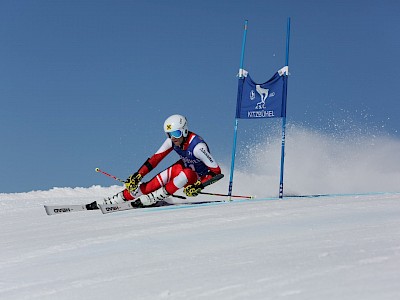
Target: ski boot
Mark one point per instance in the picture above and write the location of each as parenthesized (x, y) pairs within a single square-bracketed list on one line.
[(117, 198), (154, 197)]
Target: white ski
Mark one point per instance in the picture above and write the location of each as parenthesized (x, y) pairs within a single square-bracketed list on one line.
[(109, 208), (60, 209)]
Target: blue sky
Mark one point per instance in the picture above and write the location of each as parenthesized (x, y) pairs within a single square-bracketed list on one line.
[(86, 84)]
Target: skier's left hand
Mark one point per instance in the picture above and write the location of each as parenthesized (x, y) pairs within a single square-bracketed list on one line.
[(192, 190), (132, 183)]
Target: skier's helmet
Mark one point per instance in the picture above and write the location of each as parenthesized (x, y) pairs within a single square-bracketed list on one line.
[(176, 126)]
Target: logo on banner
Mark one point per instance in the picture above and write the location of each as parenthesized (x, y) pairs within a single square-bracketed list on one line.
[(252, 95), (264, 94)]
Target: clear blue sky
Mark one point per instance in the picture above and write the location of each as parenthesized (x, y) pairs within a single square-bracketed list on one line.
[(87, 84)]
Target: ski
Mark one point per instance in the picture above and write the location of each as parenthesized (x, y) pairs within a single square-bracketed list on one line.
[(108, 208), (111, 208), (61, 209)]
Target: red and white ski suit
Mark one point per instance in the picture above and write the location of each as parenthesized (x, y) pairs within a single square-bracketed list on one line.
[(195, 163)]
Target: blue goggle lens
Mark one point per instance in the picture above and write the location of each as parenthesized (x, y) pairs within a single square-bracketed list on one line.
[(176, 134)]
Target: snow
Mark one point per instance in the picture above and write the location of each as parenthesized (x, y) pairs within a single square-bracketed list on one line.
[(332, 247), (344, 245)]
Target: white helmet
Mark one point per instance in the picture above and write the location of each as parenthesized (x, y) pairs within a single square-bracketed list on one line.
[(176, 126)]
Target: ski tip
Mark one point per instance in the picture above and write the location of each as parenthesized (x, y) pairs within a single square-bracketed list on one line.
[(48, 211)]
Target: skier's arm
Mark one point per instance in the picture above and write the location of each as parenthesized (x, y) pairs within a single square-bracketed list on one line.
[(132, 183), (202, 153), (153, 161)]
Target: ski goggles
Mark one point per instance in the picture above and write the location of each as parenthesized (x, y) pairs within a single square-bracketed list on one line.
[(175, 134)]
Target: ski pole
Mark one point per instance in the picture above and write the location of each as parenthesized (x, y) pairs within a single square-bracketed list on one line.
[(225, 195), (109, 175)]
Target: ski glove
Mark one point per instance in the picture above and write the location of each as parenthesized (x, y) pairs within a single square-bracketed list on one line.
[(132, 183), (193, 190)]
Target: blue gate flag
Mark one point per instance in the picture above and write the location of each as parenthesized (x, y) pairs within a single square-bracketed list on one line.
[(266, 100)]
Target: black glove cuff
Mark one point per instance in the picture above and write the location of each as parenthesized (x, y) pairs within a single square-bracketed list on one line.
[(148, 164)]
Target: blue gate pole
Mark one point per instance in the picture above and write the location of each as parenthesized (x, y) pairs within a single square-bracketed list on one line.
[(236, 119), (284, 117)]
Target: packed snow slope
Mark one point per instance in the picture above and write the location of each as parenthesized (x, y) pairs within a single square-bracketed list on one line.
[(329, 247)]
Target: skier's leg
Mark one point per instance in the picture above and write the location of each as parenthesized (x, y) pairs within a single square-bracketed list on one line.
[(178, 178)]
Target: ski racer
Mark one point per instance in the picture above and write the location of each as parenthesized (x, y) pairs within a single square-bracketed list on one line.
[(195, 166)]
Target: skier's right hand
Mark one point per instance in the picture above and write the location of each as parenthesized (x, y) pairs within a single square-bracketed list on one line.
[(192, 190), (132, 182)]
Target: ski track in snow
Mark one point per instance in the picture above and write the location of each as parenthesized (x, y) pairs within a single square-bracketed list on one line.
[(299, 248)]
